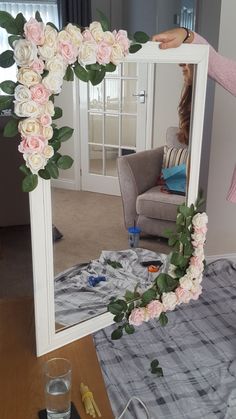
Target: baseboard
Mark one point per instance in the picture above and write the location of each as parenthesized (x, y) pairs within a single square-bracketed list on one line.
[(64, 184), (212, 258)]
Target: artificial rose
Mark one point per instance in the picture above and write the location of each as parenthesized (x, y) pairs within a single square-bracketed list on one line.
[(32, 144), (194, 271), (154, 309), (96, 31), (198, 239), (122, 38), (75, 34), (196, 292), (48, 108), (28, 77), (196, 261), (169, 301), (48, 151), (47, 132), (53, 82), (38, 65), (109, 38), (34, 31), (63, 36), (199, 252), (68, 51), (200, 220), (50, 35), (87, 36), (103, 53), (56, 64), (87, 53), (25, 52), (116, 53), (47, 52), (29, 126), (186, 282), (137, 316), (27, 109), (40, 94), (45, 120), (22, 93), (183, 296), (35, 162)]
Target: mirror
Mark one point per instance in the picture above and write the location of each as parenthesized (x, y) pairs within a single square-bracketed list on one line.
[(110, 108)]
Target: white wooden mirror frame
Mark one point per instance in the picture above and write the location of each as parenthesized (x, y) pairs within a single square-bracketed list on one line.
[(41, 215)]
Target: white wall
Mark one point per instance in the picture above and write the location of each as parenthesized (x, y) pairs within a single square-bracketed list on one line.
[(222, 214)]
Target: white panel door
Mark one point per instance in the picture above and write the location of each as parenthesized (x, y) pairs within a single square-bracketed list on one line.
[(113, 123)]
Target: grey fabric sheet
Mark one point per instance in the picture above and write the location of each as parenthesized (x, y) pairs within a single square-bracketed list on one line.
[(197, 351), (76, 300)]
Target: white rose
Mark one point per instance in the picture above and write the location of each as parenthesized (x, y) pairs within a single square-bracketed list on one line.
[(75, 34), (50, 36), (198, 239), (25, 52), (56, 64), (108, 37), (63, 36), (96, 30), (169, 300), (48, 151), (27, 109), (200, 220), (53, 82), (116, 54), (186, 282), (197, 281), (87, 53), (47, 132), (28, 77), (29, 126), (22, 93), (47, 52), (199, 253), (49, 108), (195, 271), (35, 162)]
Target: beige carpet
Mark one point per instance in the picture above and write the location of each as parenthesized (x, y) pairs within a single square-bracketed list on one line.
[(90, 222)]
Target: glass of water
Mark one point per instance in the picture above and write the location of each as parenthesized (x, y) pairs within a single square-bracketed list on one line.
[(57, 373)]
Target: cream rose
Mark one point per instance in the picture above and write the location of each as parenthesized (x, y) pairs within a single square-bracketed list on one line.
[(35, 162), (186, 282), (116, 54), (47, 52), (108, 37), (50, 36), (28, 77), (75, 34), (56, 64), (48, 151), (27, 109), (200, 220), (47, 132), (169, 301), (22, 93), (96, 31), (29, 126), (87, 53), (63, 36), (195, 271), (25, 52), (49, 108), (53, 82)]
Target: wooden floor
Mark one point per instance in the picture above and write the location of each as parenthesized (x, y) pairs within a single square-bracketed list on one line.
[(21, 381)]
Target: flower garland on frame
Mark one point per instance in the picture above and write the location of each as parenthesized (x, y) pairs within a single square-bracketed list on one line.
[(45, 57), (179, 285)]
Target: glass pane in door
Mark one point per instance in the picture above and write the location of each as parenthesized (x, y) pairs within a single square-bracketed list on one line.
[(95, 128), (111, 155), (112, 129), (129, 101), (96, 159), (128, 130)]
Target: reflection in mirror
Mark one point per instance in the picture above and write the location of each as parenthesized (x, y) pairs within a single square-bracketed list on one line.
[(88, 226)]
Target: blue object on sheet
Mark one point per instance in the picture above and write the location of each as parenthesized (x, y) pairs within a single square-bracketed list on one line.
[(94, 280), (175, 178)]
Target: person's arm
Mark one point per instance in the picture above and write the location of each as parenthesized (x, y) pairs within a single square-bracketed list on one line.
[(221, 69)]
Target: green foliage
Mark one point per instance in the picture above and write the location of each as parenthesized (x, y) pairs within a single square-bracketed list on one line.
[(29, 183), (117, 334), (117, 307), (166, 283), (129, 328), (141, 37), (134, 48), (103, 20), (58, 113), (20, 21), (148, 296), (8, 86), (163, 319), (13, 38), (110, 67), (7, 59), (44, 174), (96, 76), (64, 133), (11, 128), (81, 72), (155, 369), (52, 169), (69, 75), (119, 317), (24, 169), (64, 162), (38, 16), (8, 22), (6, 102), (52, 25), (114, 264)]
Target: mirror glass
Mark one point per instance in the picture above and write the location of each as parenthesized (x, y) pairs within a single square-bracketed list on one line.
[(88, 225)]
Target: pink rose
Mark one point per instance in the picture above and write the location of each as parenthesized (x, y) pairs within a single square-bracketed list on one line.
[(67, 51), (103, 53), (196, 261), (38, 65), (87, 36), (34, 31), (32, 144), (122, 39), (45, 120), (183, 296), (154, 309), (40, 94), (196, 292), (137, 316), (201, 230)]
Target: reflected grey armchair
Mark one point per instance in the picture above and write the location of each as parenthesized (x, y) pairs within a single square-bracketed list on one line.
[(143, 202)]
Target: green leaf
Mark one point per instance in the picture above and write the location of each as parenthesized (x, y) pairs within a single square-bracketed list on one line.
[(129, 295), (81, 73), (8, 22), (103, 20), (134, 48), (115, 308), (58, 113), (64, 162), (110, 67), (117, 334), (24, 169), (184, 210), (69, 75), (123, 304), (56, 144), (29, 183), (154, 363), (52, 25), (8, 86), (148, 296), (172, 240), (179, 260), (55, 157), (38, 16), (166, 283), (97, 76), (5, 102), (113, 264), (44, 174), (129, 328), (52, 169), (13, 38), (188, 250), (95, 66), (20, 21), (163, 319), (11, 128), (141, 37), (7, 59), (168, 232), (119, 317), (180, 219), (64, 133), (158, 371)]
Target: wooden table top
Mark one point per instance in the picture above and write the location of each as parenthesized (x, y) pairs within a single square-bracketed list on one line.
[(21, 380)]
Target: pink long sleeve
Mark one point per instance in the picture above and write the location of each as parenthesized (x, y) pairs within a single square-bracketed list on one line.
[(221, 69)]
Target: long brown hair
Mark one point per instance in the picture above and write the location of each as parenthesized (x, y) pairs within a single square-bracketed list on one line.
[(184, 111)]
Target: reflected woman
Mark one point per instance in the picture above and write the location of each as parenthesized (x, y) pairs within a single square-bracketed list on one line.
[(184, 108)]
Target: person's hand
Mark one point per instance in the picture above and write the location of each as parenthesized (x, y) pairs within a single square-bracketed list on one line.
[(171, 39)]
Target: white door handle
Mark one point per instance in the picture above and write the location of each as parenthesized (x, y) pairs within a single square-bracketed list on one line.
[(141, 96)]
